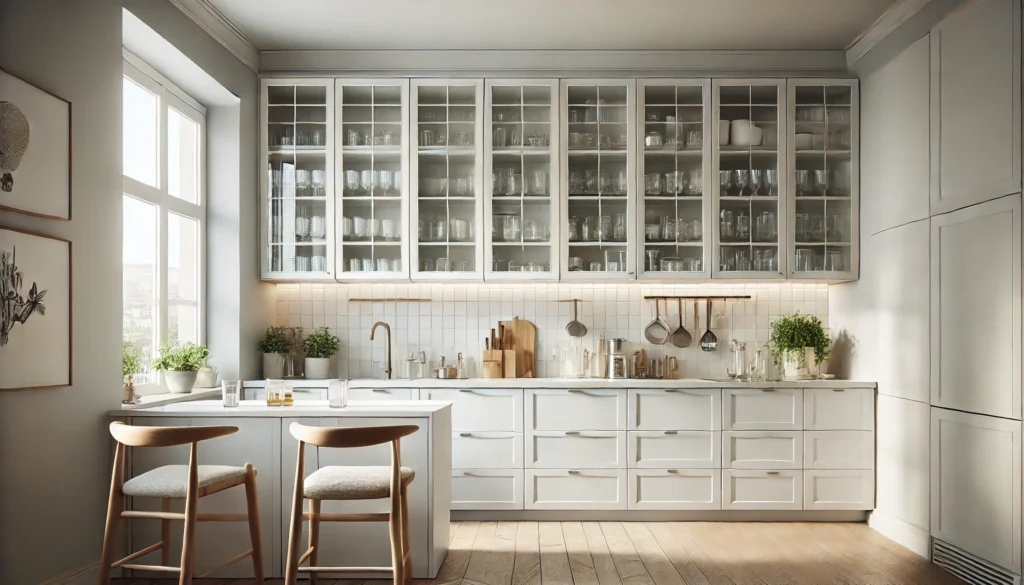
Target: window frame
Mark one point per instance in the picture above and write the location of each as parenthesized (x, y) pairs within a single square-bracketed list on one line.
[(169, 96)]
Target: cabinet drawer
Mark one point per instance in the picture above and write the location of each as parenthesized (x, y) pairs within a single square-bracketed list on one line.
[(848, 489), (576, 489), (839, 450), (675, 409), (752, 409), (382, 394), (762, 490), (481, 410), (590, 449), (486, 450), (687, 449), (564, 410), (839, 410), (675, 489), (762, 449), (487, 489)]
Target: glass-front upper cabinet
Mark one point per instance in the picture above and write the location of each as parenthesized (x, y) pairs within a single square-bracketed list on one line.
[(823, 192), (674, 209), (372, 158), (521, 134), (598, 135), (447, 179), (749, 144), (297, 183)]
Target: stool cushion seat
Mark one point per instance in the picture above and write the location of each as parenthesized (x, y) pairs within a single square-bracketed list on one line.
[(171, 481), (352, 483)]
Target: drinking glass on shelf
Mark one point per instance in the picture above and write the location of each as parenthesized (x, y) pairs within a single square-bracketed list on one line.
[(351, 181), (428, 138), (389, 229), (596, 267), (301, 228), (652, 232), (652, 184), (835, 261), (652, 260), (591, 229), (533, 231), (443, 265), (231, 391), (366, 264), (822, 179), (668, 229), (804, 259), (538, 182), (386, 181), (619, 231), (771, 182), (671, 185), (619, 185), (803, 227), (355, 265), (591, 179), (337, 393), (464, 266), (383, 265), (694, 140), (725, 182), (743, 183), (368, 181), (275, 392), (838, 228), (352, 138), (575, 264)]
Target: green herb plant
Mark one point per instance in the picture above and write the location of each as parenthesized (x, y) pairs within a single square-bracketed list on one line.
[(132, 359), (275, 341), (182, 358), (321, 344), (790, 335)]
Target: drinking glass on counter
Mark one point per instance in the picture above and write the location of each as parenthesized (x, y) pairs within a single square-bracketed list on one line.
[(231, 391), (275, 392), (337, 393)]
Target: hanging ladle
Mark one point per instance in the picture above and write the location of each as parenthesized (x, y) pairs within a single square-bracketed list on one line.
[(657, 331), (709, 342), (681, 337), (575, 328)]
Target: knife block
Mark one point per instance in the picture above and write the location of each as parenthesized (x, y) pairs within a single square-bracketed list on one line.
[(492, 367)]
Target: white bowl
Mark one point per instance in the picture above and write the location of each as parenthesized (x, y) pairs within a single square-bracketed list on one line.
[(744, 133), (723, 133), (803, 141)]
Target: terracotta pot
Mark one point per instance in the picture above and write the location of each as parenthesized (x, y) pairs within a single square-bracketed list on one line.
[(180, 382), (273, 365), (318, 368)]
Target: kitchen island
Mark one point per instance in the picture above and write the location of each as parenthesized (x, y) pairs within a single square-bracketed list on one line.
[(263, 440)]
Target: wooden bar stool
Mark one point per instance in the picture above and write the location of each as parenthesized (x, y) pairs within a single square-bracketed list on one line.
[(350, 483), (189, 482)]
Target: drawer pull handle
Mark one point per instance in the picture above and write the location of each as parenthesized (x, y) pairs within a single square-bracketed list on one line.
[(380, 389), (465, 434), (672, 470), (671, 432), (573, 472), (839, 389), (671, 390), (572, 432), (773, 473), (579, 391), (468, 474), (767, 389)]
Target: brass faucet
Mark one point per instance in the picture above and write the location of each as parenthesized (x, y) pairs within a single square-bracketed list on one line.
[(387, 328)]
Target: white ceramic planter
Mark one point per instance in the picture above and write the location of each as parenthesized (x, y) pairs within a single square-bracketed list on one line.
[(318, 368), (795, 365), (180, 382), (273, 365), (207, 377)]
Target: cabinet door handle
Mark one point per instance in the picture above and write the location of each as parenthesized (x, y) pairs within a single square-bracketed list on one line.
[(578, 391), (767, 389), (773, 473), (471, 391), (572, 432), (671, 432), (465, 434), (380, 389), (839, 389), (672, 470), (573, 472)]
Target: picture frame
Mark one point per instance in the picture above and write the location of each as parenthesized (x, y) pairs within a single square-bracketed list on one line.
[(40, 182)]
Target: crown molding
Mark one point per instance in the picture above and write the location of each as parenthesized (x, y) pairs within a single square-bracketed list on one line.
[(559, 63), (905, 22), (211, 20)]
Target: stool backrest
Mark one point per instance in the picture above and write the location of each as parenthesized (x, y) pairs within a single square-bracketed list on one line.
[(165, 436), (351, 436)]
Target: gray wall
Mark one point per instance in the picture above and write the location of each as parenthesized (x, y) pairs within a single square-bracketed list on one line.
[(239, 306), (55, 455)]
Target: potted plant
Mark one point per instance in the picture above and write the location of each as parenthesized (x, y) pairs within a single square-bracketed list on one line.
[(180, 365), (132, 358), (320, 347), (792, 341), (275, 346)]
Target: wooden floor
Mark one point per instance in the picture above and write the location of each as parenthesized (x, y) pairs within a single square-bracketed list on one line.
[(664, 553)]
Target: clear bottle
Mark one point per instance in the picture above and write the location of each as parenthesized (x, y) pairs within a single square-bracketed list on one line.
[(460, 368)]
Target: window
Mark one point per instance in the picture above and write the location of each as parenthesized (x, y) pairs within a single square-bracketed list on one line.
[(164, 222)]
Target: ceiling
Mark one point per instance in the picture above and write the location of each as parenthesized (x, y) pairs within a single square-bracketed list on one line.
[(552, 24)]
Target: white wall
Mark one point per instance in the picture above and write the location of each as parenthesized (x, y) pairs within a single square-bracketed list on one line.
[(55, 455)]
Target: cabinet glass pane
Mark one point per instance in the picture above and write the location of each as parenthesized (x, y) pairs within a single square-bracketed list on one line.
[(823, 189), (297, 137), (748, 178), (673, 178), (447, 196), (370, 167), (598, 220), (522, 192)]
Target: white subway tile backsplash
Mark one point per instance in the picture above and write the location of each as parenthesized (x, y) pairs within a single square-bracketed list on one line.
[(459, 317)]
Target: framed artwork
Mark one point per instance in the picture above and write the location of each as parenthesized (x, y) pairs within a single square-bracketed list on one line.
[(35, 150), (35, 311)]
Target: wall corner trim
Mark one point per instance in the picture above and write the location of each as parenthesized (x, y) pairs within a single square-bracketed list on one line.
[(915, 538), (211, 20)]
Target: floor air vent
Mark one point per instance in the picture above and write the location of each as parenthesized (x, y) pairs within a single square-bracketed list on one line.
[(969, 567)]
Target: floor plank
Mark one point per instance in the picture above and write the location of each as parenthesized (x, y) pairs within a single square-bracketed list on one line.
[(493, 559), (581, 563), (453, 569), (651, 554), (685, 559), (476, 572), (603, 563), (526, 569), (627, 563), (554, 560), (452, 528)]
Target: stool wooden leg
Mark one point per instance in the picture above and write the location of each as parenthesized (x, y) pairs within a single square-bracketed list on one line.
[(115, 505), (291, 572), (253, 509), (406, 549), (314, 536), (165, 535), (395, 529), (188, 542)]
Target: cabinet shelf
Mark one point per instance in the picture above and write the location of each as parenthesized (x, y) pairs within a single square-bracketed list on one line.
[(606, 243)]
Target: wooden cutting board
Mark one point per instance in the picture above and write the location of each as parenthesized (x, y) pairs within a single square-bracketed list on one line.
[(523, 334)]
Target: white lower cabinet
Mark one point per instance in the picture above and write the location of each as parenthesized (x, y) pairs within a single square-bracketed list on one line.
[(762, 409), (576, 489), (475, 409), (684, 449), (575, 409), (762, 449), (744, 489), (839, 409), (486, 450), (487, 489), (698, 409), (839, 450), (675, 489), (562, 449), (845, 489)]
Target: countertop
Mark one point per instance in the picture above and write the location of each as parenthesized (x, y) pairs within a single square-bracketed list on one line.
[(152, 400), (302, 408), (527, 383)]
